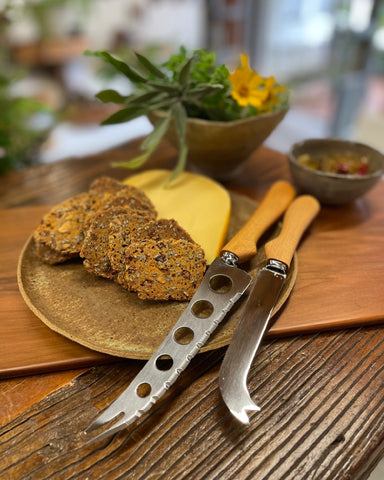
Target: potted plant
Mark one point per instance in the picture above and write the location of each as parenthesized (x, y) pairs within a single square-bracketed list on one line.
[(214, 117), (19, 140)]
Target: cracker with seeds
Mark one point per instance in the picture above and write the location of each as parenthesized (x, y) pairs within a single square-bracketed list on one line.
[(157, 255), (106, 193), (59, 236), (95, 248), (163, 270), (113, 227), (122, 229)]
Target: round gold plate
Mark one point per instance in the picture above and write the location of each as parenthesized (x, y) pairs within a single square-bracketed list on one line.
[(101, 315)]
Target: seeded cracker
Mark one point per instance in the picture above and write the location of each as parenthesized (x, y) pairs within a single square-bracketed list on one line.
[(124, 231), (122, 228), (95, 249), (161, 262), (60, 235), (166, 270), (106, 193)]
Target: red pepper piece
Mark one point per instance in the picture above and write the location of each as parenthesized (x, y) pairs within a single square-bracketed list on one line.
[(342, 168)]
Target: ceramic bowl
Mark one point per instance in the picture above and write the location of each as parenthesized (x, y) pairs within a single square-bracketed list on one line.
[(332, 188), (219, 149)]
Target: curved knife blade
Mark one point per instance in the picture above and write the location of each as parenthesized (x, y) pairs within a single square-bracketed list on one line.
[(246, 341), (258, 310)]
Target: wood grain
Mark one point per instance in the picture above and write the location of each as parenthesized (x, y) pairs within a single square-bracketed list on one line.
[(296, 221), (318, 420), (321, 395), (246, 242), (17, 395)]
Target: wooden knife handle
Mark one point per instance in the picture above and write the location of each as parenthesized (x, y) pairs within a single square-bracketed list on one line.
[(273, 205), (297, 218)]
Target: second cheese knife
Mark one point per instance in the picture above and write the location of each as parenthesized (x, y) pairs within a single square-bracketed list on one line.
[(258, 309)]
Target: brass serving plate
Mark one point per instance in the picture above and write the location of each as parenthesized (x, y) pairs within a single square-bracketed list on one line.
[(99, 314)]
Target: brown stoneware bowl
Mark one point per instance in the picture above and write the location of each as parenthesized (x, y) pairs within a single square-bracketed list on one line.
[(334, 188), (219, 149)]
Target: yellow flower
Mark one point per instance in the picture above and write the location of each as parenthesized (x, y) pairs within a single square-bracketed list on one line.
[(247, 85), (273, 89)]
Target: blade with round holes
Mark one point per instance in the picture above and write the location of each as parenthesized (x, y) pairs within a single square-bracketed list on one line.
[(222, 285)]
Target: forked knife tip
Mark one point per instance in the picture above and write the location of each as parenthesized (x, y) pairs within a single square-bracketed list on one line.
[(242, 414)]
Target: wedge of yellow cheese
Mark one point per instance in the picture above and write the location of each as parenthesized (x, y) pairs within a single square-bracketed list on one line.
[(200, 205)]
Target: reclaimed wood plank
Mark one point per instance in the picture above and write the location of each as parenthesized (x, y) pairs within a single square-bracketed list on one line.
[(321, 399)]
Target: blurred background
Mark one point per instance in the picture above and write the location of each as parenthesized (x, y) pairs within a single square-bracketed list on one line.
[(329, 52)]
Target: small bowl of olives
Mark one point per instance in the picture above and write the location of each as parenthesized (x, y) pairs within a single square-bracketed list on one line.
[(335, 171)]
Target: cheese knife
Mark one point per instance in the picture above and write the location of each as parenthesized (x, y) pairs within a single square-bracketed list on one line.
[(222, 285), (258, 309)]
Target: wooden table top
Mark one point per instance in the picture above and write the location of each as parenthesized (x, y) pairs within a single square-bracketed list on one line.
[(321, 394)]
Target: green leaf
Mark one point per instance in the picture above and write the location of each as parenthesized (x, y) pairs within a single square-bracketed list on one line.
[(181, 162), (135, 110), (180, 118), (204, 90), (150, 144), (160, 129), (148, 65), (145, 97), (134, 163), (165, 87), (186, 71), (131, 73), (161, 105), (124, 115), (111, 96)]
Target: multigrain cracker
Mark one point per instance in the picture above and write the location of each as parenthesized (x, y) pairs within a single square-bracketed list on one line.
[(60, 235), (103, 185), (122, 228), (161, 229), (161, 262), (94, 250), (166, 270), (106, 193), (126, 230), (121, 199)]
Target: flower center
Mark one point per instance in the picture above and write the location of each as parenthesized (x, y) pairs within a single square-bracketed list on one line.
[(243, 91)]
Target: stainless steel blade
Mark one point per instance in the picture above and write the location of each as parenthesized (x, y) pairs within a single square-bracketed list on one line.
[(246, 340), (222, 285), (258, 309)]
